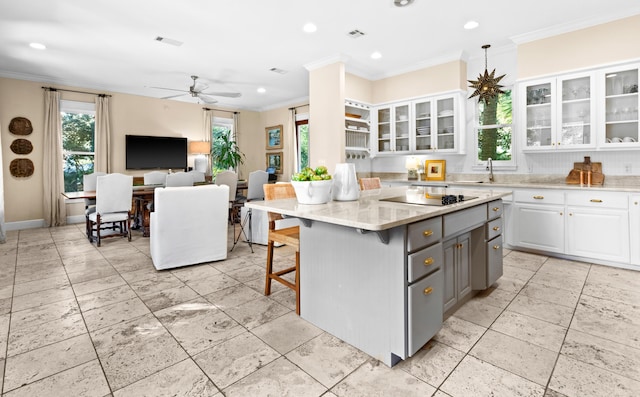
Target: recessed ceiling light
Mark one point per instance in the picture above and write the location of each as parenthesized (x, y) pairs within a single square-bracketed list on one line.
[(309, 27), (376, 55), (261, 90), (402, 3), (38, 46), (471, 25)]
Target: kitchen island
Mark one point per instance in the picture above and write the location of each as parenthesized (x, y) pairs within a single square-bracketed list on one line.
[(381, 275)]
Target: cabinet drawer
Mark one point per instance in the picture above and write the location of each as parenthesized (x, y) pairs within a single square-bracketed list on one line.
[(424, 311), (424, 262), (598, 199), (494, 228), (424, 233), (539, 196), (468, 219), (494, 209)]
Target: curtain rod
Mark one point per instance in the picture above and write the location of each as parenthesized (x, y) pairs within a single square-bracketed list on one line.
[(299, 106), (79, 92), (221, 110)]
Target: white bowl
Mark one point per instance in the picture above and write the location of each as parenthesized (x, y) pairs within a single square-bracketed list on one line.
[(313, 192)]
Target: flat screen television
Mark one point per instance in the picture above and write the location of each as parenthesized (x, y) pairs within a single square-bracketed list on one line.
[(155, 152)]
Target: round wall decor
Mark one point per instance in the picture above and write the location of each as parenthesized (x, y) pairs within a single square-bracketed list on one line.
[(21, 146), (21, 168), (20, 126)]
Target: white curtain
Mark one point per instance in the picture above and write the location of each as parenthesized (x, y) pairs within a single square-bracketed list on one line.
[(3, 236), (235, 126), (103, 135), (207, 125), (54, 207), (292, 138)]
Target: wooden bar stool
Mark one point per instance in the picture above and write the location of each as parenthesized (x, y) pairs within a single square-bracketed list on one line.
[(370, 183), (289, 236)]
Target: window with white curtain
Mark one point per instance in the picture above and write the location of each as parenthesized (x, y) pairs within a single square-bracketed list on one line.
[(221, 127), (78, 142), (302, 140)]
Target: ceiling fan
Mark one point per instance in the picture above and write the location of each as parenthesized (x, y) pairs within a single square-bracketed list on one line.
[(197, 90)]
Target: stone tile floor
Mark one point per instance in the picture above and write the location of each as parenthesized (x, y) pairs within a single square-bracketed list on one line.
[(77, 320)]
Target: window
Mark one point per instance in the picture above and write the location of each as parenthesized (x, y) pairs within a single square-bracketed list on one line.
[(78, 142), (221, 133), (494, 131), (302, 143)]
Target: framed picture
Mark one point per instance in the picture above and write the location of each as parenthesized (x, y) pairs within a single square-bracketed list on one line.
[(274, 160), (274, 137), (435, 169)]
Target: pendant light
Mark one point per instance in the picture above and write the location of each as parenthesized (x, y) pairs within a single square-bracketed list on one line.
[(486, 87)]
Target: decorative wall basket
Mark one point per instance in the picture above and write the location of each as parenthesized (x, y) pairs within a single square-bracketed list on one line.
[(21, 168), (20, 126), (21, 146)]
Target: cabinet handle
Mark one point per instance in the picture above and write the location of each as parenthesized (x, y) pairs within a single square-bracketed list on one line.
[(496, 228), (427, 233), (428, 261), (538, 197), (496, 247), (595, 200), (570, 213), (561, 214), (459, 245), (496, 209), (428, 290)]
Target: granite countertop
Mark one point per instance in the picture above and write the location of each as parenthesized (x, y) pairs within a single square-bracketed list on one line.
[(369, 213), (614, 183)]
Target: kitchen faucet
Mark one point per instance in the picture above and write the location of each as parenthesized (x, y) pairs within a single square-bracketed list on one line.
[(490, 169)]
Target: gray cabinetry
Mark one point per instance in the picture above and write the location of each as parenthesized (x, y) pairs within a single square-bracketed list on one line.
[(457, 269), (425, 310)]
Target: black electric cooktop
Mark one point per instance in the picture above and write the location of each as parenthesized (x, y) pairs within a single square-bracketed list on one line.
[(438, 200)]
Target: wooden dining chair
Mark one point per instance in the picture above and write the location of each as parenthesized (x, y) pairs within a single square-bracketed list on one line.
[(289, 236), (369, 183)]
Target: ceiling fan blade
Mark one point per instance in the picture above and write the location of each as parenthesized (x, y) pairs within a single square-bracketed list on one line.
[(225, 94), (169, 89), (173, 96), (206, 98)]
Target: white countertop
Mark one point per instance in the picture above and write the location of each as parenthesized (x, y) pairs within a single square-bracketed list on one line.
[(369, 213)]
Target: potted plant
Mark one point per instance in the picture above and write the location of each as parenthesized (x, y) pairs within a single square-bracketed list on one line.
[(225, 153)]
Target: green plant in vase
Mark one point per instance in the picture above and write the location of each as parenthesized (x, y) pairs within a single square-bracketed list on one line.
[(225, 153)]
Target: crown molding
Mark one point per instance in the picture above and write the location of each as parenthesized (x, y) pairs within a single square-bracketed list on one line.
[(331, 59)]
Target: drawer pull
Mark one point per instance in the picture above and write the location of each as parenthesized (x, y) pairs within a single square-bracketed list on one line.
[(428, 261), (496, 247), (595, 200), (496, 228), (538, 197), (496, 209), (428, 290), (427, 233)]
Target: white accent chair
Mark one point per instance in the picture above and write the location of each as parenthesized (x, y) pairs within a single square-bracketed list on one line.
[(189, 225), (198, 176), (230, 179), (113, 206), (155, 178), (89, 182), (178, 179)]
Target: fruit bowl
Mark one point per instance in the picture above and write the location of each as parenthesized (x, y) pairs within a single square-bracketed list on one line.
[(313, 192)]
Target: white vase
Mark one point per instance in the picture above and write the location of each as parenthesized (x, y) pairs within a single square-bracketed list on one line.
[(345, 183)]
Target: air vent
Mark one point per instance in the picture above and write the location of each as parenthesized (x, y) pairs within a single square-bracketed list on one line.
[(166, 40), (277, 70), (355, 33)]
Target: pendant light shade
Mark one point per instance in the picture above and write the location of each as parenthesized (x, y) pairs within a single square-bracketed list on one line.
[(486, 87)]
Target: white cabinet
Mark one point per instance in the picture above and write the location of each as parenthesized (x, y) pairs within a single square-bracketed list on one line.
[(421, 126), (598, 225), (634, 229), (393, 128), (539, 219), (356, 127), (559, 113), (618, 107)]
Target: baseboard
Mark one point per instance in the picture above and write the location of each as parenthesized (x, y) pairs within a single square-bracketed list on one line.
[(20, 225), (76, 219)]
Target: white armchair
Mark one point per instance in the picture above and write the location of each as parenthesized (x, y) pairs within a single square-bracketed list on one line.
[(189, 225)]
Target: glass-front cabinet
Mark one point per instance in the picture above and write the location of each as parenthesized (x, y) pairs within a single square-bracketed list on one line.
[(424, 138), (357, 129), (393, 128), (559, 113), (619, 111)]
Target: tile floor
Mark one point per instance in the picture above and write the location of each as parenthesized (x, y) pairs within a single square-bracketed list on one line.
[(76, 320)]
